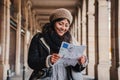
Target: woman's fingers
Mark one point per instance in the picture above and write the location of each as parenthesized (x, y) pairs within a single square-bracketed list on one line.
[(54, 58), (82, 59)]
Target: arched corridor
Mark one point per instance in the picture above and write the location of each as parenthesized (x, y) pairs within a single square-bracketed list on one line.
[(96, 24)]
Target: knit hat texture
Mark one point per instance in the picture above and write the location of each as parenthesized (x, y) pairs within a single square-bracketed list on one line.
[(61, 13)]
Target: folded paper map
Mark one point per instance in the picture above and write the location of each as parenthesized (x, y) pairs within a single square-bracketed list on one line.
[(70, 53)]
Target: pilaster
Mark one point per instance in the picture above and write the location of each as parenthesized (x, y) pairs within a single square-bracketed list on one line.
[(30, 18), (18, 40), (91, 38), (26, 39), (7, 32), (104, 61), (84, 23), (84, 28), (2, 38), (79, 24), (33, 21), (75, 28)]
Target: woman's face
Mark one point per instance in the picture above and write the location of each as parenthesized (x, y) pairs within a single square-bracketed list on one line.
[(61, 27)]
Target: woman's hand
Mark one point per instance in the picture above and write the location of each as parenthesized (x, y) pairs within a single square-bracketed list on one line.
[(54, 58), (82, 59)]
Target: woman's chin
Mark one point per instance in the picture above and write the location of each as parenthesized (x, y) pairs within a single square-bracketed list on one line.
[(60, 34)]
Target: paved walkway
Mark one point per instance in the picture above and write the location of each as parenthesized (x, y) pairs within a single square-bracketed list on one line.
[(27, 74)]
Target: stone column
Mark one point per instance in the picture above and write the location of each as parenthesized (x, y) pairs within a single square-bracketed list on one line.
[(30, 18), (5, 38), (84, 29), (36, 26), (84, 24), (33, 17), (3, 67), (71, 32), (91, 38), (18, 40), (75, 28), (26, 39), (79, 25), (7, 32), (119, 39), (103, 44)]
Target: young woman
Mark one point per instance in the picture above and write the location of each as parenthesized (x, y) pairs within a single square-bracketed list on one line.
[(44, 48)]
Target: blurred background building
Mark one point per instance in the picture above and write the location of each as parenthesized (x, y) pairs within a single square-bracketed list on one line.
[(96, 24)]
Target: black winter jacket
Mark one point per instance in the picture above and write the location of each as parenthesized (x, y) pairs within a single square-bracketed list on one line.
[(38, 53)]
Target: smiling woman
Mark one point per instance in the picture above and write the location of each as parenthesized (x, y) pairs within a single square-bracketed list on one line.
[(45, 46)]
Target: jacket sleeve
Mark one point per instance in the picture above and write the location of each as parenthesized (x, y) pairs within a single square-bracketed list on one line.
[(80, 67), (36, 61)]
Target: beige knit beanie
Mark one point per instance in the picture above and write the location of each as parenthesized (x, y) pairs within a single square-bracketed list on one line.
[(61, 13)]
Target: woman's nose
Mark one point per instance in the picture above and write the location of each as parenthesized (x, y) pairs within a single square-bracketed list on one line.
[(63, 27)]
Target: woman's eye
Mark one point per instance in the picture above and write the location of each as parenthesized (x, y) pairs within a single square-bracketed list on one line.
[(60, 23), (66, 25)]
